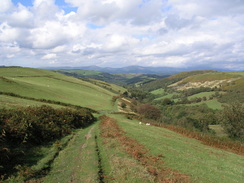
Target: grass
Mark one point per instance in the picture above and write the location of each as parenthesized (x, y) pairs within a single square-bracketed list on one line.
[(239, 73), (83, 72), (213, 104), (218, 130), (159, 91), (202, 163), (108, 86), (48, 85), (14, 102), (209, 77), (119, 165), (78, 161), (202, 94), (166, 96)]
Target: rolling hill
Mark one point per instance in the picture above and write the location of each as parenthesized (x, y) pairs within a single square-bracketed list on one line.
[(133, 79), (228, 85), (116, 147), (48, 85)]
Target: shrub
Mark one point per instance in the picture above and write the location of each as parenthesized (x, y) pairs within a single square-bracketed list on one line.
[(233, 120), (32, 126), (149, 111)]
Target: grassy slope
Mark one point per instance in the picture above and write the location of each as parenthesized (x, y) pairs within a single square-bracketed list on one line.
[(189, 156), (202, 94), (159, 91), (210, 77), (54, 86), (79, 161), (111, 86), (212, 104), (14, 102)]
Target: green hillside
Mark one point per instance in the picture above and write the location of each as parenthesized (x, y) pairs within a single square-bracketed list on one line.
[(43, 84), (133, 79), (122, 150), (46, 137)]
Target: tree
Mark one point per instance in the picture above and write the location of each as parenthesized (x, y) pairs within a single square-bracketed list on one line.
[(149, 111), (233, 120), (123, 105), (167, 101)]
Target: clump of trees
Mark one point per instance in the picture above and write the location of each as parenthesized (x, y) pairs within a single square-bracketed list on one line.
[(24, 128), (232, 118), (190, 117), (149, 111)]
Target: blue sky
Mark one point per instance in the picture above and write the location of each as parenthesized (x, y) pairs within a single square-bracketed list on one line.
[(117, 33), (61, 3)]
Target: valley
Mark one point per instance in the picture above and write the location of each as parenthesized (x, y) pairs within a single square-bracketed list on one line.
[(99, 132)]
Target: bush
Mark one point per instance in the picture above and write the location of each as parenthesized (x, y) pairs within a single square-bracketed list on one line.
[(233, 120), (24, 128), (149, 111)]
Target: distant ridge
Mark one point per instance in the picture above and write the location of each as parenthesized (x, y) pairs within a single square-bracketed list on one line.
[(133, 69)]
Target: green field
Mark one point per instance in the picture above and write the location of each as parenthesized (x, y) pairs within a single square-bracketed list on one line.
[(170, 95), (212, 104), (100, 153), (42, 84), (159, 91), (14, 102), (202, 94), (202, 163), (210, 77), (83, 72)]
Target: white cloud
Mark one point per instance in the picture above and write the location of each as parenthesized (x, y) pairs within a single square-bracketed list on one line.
[(119, 32), (21, 18), (49, 56), (5, 5)]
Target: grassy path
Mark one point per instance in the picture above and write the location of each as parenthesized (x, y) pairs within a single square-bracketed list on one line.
[(78, 162), (120, 150)]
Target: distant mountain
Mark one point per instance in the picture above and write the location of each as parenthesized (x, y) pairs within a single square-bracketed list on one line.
[(129, 69), (136, 69), (119, 79)]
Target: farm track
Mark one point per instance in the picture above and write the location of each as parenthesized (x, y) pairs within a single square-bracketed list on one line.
[(154, 164), (73, 178)]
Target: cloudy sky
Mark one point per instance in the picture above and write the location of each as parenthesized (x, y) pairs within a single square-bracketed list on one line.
[(117, 33)]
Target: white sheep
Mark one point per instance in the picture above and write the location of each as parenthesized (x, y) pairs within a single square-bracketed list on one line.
[(148, 124), (140, 123)]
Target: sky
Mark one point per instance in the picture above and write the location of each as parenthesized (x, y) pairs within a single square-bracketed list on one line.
[(119, 33)]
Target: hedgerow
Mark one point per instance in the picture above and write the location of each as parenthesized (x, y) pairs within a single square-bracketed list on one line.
[(24, 128)]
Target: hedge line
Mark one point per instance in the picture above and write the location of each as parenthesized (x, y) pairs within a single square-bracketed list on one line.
[(25, 128)]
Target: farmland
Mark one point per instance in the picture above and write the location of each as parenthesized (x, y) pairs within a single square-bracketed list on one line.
[(105, 145), (41, 84)]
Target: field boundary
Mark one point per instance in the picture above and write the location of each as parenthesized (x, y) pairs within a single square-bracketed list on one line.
[(153, 164)]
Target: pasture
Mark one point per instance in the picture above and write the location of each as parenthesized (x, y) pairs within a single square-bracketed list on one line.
[(189, 156), (41, 84)]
